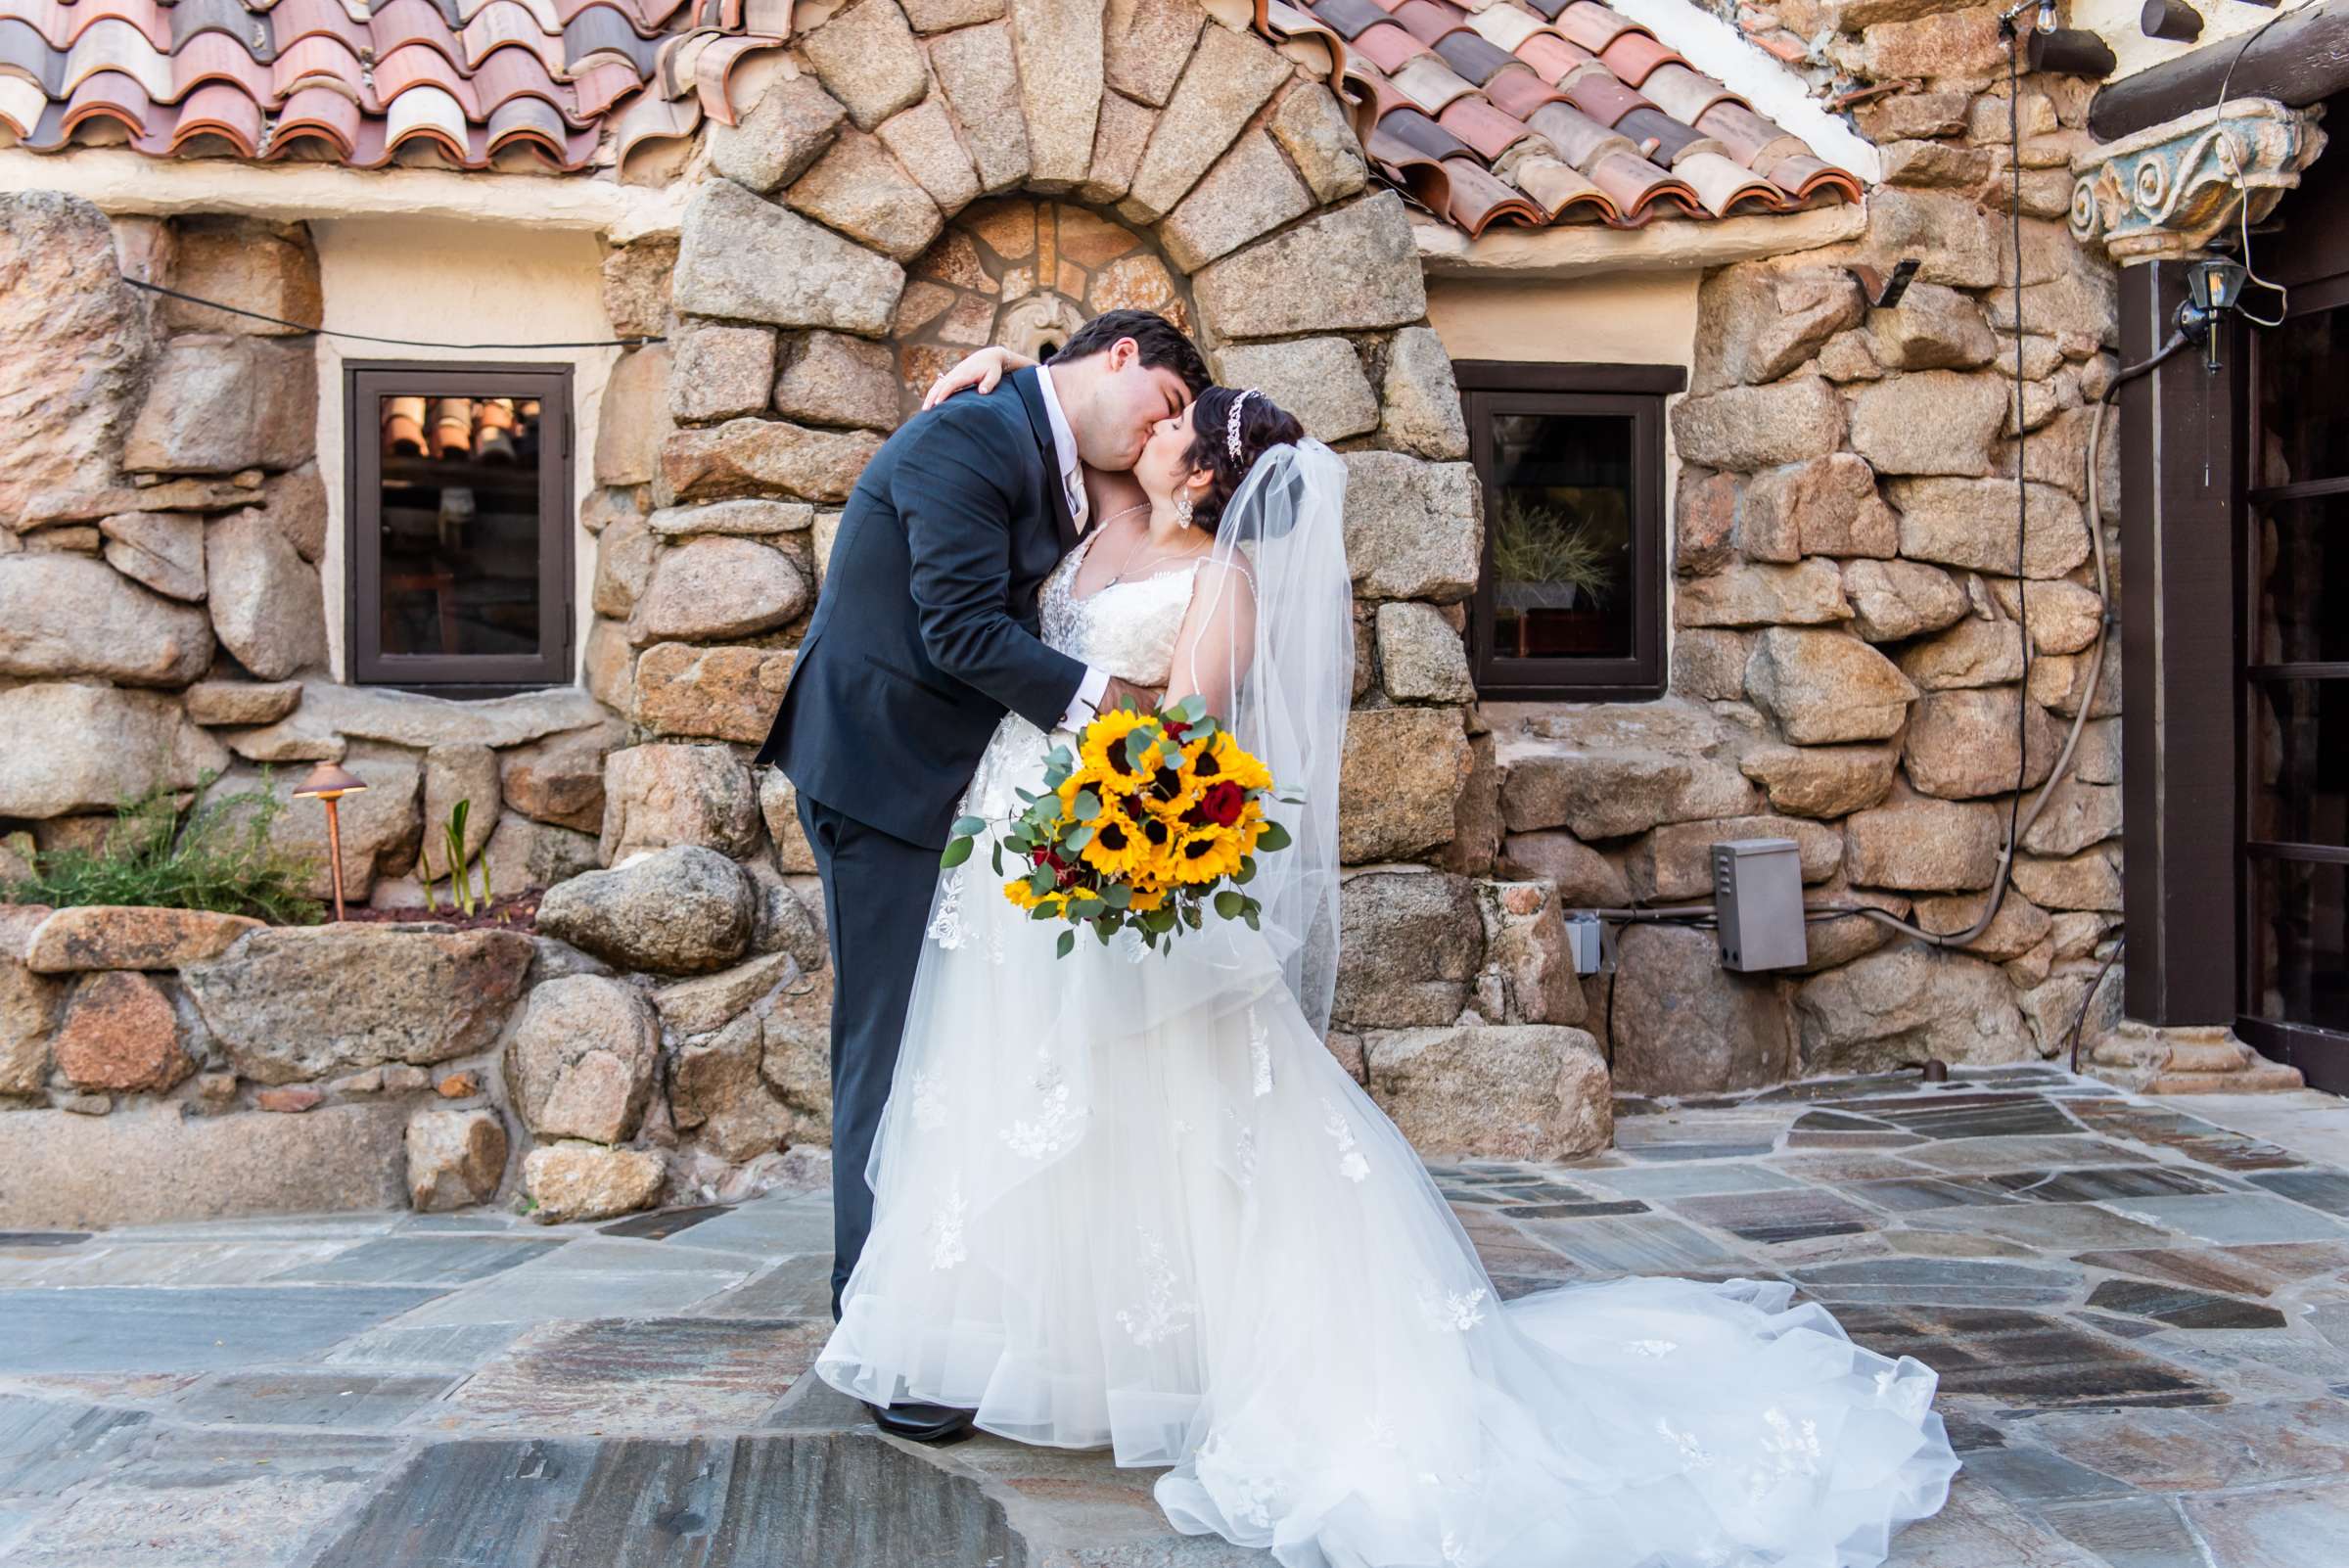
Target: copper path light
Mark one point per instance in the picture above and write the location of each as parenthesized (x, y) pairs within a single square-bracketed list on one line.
[(330, 783)]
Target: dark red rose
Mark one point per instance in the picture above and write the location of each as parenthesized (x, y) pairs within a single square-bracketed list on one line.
[(1174, 727), (1223, 803)]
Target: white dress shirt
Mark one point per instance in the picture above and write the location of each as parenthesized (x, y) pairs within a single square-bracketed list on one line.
[(1087, 704)]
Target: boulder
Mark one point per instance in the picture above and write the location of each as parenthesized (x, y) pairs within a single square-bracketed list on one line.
[(1757, 320), (1971, 522), (624, 567), (1583, 877), (719, 372), (710, 589), (796, 1057), (1422, 395), (2064, 615), (662, 795), (1964, 744), (74, 340), (1399, 780), (1710, 663), (1896, 1007), (66, 615), (867, 58), (2077, 815), (1827, 686), (831, 378), (294, 503), (1250, 191), (99, 936), (715, 693), (1528, 976), (579, 1057), (1684, 1025), (1705, 508), (100, 746), (982, 83), (332, 711), (27, 1009), (289, 1005), (1613, 770), (1929, 422), (120, 1033), (218, 402), (1476, 824), (582, 1182), (709, 1002), (923, 141), (454, 772), (1827, 506), (1972, 653), (382, 827), (1528, 1091), (1934, 327), (1925, 845), (1226, 81), (762, 456), (1747, 429), (637, 281), (634, 416), (1347, 269), (714, 1091), (1410, 942), (683, 910), (455, 1159), (1144, 50), (1421, 657), (1414, 530), (1676, 860), (241, 701), (785, 131), (561, 779), (266, 606), (2018, 927), (1895, 600), (2088, 880), (1320, 379), (1809, 594), (1312, 129), (1838, 940), (1822, 781), (857, 188), (164, 550), (779, 806), (747, 515), (746, 260), (788, 922), (523, 853)]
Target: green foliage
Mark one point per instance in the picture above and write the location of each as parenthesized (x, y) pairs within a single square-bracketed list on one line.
[(219, 858), (1534, 541), (461, 896)]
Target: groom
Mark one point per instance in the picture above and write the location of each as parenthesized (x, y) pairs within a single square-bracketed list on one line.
[(925, 634)]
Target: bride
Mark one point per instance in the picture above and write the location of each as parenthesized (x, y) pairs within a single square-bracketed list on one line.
[(1128, 1199)]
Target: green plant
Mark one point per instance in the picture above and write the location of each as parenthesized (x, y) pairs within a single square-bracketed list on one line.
[(1536, 541), (219, 858), (460, 875)]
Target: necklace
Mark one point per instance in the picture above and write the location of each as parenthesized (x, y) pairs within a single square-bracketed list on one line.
[(1120, 574)]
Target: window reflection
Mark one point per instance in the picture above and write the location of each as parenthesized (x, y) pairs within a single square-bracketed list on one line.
[(459, 518)]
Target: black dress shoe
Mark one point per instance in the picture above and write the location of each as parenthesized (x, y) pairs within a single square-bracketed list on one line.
[(923, 1423)]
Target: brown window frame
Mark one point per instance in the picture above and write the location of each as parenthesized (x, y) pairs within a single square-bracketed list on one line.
[(1490, 387), (364, 384)]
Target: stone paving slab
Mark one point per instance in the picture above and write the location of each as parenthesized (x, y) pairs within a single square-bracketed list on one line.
[(2139, 1310)]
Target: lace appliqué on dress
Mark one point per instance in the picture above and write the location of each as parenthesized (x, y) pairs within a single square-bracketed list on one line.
[(1793, 1450), (1248, 1499), (1259, 1054), (1058, 1124), (1350, 1164), (929, 1109), (1453, 1312), (1160, 1315), (1652, 1347), (946, 1228), (948, 929)]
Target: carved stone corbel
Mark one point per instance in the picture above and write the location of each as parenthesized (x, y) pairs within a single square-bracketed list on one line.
[(2169, 190)]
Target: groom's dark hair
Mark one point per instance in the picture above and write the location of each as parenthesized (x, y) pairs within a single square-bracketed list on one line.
[(1163, 345)]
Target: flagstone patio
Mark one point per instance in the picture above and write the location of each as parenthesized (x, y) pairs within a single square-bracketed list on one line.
[(2140, 1310)]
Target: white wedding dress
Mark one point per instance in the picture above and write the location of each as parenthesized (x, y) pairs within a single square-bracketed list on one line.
[(1117, 1208)]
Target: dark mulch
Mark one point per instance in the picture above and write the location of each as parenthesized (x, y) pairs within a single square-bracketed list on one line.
[(514, 911)]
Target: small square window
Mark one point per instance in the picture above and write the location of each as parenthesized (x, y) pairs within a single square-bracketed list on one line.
[(460, 526), (1570, 602)]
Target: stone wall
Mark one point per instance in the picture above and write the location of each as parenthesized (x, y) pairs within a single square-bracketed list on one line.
[(1848, 657)]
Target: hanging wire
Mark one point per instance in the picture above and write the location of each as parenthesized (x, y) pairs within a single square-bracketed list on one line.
[(2234, 170), (397, 343)]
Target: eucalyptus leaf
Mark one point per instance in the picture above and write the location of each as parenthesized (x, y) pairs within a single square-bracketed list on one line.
[(958, 851), (1084, 908), (1275, 837), (1229, 903), (1079, 838), (1066, 945), (1117, 896), (1086, 805), (1249, 915), (969, 827), (998, 857), (1247, 871)]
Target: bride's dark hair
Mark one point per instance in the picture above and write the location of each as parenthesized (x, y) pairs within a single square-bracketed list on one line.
[(1264, 424)]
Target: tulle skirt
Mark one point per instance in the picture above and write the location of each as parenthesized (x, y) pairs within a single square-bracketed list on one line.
[(1123, 1204)]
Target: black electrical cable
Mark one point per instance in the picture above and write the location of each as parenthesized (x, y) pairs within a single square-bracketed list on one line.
[(2022, 487), (2080, 1019), (397, 343)]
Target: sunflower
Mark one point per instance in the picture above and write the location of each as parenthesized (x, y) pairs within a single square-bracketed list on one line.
[(1117, 846), (1206, 853), (1018, 890), (1107, 787), (1102, 751), (1221, 758), (1159, 835), (1148, 894)]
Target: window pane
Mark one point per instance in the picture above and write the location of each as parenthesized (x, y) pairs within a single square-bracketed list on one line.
[(2300, 957), (1560, 501), (2300, 741), (460, 524), (2304, 568), (2303, 367)]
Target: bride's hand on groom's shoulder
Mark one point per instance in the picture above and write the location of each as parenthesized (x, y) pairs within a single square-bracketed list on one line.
[(982, 368)]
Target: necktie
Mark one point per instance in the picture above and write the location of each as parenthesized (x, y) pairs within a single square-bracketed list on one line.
[(1074, 485)]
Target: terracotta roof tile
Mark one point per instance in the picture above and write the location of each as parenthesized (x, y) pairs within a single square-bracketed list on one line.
[(575, 82), (1539, 112)]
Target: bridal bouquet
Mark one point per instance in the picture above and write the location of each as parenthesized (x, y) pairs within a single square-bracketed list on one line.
[(1154, 820)]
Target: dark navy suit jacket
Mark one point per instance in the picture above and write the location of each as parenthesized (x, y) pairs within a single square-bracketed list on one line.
[(926, 631)]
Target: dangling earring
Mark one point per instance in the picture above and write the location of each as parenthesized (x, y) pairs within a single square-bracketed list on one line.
[(1183, 510)]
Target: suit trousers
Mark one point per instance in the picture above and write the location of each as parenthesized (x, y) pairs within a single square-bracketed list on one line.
[(877, 891)]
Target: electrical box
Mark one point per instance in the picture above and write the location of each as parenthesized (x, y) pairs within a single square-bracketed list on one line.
[(1758, 904), (1593, 945)]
